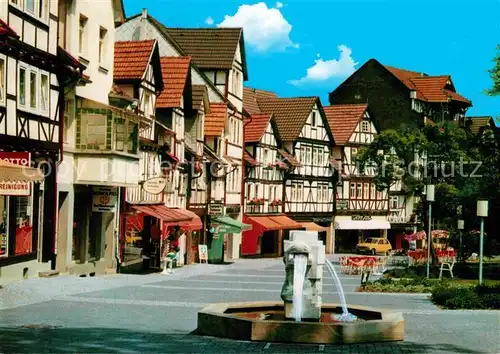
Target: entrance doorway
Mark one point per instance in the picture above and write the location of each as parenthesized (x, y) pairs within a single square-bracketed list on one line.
[(268, 245)]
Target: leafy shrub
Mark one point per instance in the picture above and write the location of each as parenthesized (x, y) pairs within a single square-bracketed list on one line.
[(389, 285), (466, 297)]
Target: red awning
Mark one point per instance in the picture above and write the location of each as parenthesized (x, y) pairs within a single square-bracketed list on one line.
[(163, 213), (271, 223), (285, 222), (193, 224), (264, 223)]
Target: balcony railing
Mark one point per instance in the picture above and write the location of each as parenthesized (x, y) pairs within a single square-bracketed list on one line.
[(107, 130)]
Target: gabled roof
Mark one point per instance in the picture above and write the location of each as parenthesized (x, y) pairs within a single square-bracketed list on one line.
[(131, 59), (175, 72), (251, 97), (256, 126), (343, 119), (211, 48), (215, 121), (200, 94), (290, 113), (428, 88), (476, 123)]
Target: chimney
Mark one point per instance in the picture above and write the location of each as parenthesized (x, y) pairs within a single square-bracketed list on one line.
[(144, 14)]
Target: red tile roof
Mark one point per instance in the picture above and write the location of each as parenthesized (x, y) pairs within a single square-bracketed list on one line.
[(290, 113), (251, 97), (5, 29), (292, 160), (249, 159), (343, 119), (174, 71), (256, 127), (216, 119), (428, 88), (132, 59)]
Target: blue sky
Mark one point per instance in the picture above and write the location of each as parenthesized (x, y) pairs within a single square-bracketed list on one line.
[(332, 38)]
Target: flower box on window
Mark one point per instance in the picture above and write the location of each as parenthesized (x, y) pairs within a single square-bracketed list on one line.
[(276, 202), (256, 201)]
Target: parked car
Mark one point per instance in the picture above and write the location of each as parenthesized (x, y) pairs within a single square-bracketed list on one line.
[(374, 245)]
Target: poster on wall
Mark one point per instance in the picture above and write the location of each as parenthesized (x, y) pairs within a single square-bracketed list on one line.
[(104, 199), (203, 253), (16, 188)]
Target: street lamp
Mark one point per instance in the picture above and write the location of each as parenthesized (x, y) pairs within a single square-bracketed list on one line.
[(430, 199), (482, 212), (460, 227)]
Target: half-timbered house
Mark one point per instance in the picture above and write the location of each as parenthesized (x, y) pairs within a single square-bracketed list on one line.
[(264, 182), (306, 135), (361, 209), (34, 72), (221, 70)]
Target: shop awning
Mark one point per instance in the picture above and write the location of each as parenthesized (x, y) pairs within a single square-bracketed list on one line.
[(285, 222), (194, 224), (10, 172), (264, 222), (362, 225), (229, 225), (164, 213), (311, 226)]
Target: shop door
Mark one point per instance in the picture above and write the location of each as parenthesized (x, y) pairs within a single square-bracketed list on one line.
[(268, 243)]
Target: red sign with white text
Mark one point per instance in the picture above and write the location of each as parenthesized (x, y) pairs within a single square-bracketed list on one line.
[(16, 188)]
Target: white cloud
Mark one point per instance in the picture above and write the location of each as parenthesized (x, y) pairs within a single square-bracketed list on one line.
[(324, 70), (279, 4), (264, 28), (209, 21)]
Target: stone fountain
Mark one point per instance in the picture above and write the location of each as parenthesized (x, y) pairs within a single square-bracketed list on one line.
[(302, 317)]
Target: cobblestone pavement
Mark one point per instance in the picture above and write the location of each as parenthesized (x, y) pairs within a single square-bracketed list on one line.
[(157, 313)]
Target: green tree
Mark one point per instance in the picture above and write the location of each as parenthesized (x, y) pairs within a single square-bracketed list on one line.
[(495, 76)]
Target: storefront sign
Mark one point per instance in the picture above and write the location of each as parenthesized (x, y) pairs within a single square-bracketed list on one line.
[(155, 185), (361, 217), (203, 253), (17, 188), (104, 199), (215, 209)]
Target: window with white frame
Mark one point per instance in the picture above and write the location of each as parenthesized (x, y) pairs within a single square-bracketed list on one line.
[(309, 155), (326, 188), (315, 157), (359, 190), (366, 191), (103, 34), (2, 80), (352, 194), (365, 127), (372, 192), (82, 35), (300, 192), (394, 202), (294, 192), (36, 8), (313, 119), (147, 110), (319, 193), (33, 89), (320, 157)]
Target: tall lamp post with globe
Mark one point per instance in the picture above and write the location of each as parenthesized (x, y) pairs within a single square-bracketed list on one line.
[(482, 212)]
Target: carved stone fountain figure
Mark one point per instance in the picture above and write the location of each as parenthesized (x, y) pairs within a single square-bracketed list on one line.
[(304, 243)]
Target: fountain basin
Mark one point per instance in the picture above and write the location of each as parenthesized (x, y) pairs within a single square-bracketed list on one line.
[(247, 321)]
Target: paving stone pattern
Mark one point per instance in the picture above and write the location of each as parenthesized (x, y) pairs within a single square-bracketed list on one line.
[(156, 313)]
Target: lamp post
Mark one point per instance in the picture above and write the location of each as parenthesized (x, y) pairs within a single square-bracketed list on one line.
[(482, 212), (460, 227), (430, 199)]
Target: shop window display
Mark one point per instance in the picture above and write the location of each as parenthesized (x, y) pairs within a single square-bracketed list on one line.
[(24, 227)]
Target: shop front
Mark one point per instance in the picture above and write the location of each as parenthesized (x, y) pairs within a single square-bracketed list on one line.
[(350, 230), (220, 237), (20, 231), (267, 235), (152, 231)]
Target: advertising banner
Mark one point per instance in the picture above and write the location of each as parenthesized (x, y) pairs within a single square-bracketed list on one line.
[(16, 188)]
